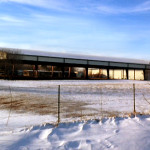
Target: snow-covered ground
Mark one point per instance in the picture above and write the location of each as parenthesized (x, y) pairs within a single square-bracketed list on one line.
[(26, 108), (79, 100), (46, 83), (109, 133)]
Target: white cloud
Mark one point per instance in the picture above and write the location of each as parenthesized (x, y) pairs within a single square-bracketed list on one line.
[(52, 4), (117, 10), (10, 19), (66, 5), (143, 7)]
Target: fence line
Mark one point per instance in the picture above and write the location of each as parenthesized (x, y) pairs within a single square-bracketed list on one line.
[(63, 103)]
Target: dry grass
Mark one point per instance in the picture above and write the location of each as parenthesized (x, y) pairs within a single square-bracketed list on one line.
[(76, 102), (23, 103)]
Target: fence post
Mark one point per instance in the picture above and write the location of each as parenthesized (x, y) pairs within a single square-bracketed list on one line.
[(10, 105), (58, 104), (101, 102), (134, 98)]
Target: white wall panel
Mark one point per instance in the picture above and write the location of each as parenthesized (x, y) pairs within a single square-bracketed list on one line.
[(98, 63), (136, 66), (30, 58), (75, 61), (51, 59), (118, 64)]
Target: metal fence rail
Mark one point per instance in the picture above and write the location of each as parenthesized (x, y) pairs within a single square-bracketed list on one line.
[(21, 106)]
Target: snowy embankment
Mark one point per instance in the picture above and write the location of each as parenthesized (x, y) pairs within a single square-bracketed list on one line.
[(110, 133)]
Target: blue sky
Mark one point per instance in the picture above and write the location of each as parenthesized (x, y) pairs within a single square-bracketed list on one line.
[(118, 28)]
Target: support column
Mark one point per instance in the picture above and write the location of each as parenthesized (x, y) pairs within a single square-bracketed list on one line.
[(13, 70), (113, 73), (134, 74), (99, 73), (69, 72), (108, 74), (36, 71), (86, 77), (52, 71), (144, 74), (123, 74), (63, 72), (127, 74)]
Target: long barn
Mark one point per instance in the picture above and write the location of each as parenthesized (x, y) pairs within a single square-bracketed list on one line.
[(31, 64)]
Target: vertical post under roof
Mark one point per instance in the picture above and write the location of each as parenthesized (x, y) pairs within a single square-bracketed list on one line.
[(144, 74), (63, 72), (86, 73), (108, 74), (127, 74)]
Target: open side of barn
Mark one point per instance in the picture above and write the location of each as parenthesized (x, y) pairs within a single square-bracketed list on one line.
[(29, 64)]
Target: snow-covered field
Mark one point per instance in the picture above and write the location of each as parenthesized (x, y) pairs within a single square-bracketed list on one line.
[(46, 83), (79, 100), (110, 133), (26, 108)]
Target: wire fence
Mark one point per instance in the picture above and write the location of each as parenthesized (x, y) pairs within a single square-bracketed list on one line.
[(24, 106)]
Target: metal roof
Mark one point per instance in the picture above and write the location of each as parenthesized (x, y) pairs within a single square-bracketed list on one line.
[(75, 56)]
